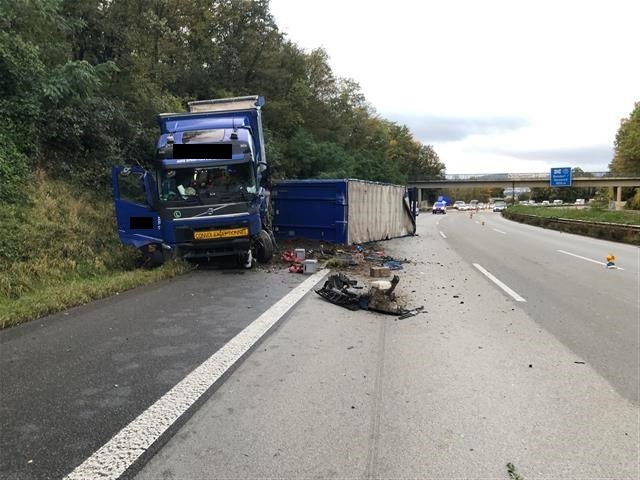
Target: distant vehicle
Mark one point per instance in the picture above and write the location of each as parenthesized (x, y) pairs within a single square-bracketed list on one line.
[(499, 206), (557, 202), (580, 201), (439, 207), (545, 203), (480, 206), (457, 204), (473, 203), (523, 202)]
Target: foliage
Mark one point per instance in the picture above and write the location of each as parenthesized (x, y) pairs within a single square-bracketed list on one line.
[(626, 158), (58, 248), (627, 145), (81, 84)]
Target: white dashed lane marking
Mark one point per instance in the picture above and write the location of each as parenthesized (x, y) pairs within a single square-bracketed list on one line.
[(509, 291), (587, 259)]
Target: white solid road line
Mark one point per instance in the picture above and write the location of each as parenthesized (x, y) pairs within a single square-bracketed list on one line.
[(443, 235), (499, 231), (119, 453), (587, 259), (513, 294)]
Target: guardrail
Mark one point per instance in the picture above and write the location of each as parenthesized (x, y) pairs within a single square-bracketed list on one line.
[(519, 176), (617, 232)]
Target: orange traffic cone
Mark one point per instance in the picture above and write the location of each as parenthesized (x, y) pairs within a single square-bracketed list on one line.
[(611, 261)]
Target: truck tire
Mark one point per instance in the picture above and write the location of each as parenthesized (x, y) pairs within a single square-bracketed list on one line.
[(153, 257), (264, 247)]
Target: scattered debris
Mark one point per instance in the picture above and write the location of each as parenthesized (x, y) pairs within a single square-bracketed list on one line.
[(342, 291), (380, 272), (288, 256), (337, 290), (296, 268), (579, 363), (513, 475), (310, 266), (411, 313), (393, 265)]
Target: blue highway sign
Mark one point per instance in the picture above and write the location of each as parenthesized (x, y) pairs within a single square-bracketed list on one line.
[(560, 177)]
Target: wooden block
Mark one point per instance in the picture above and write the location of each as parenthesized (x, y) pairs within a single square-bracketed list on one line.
[(380, 272)]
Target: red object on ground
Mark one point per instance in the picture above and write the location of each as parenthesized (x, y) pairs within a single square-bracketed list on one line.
[(296, 268), (288, 256)]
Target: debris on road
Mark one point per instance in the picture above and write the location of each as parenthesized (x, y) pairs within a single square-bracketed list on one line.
[(342, 291), (379, 272), (338, 290), (412, 313)]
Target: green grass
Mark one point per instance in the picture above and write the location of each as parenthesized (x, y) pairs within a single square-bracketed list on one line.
[(56, 296), (59, 248), (627, 217)]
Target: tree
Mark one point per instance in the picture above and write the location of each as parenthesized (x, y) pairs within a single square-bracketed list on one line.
[(626, 158)]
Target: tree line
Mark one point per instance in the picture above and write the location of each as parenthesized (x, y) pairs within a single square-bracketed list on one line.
[(81, 84)]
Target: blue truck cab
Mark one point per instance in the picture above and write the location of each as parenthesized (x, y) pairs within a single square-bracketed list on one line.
[(208, 193)]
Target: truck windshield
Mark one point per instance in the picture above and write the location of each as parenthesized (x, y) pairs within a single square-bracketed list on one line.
[(211, 184)]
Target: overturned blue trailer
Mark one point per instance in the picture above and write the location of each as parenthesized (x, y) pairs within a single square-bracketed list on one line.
[(344, 211)]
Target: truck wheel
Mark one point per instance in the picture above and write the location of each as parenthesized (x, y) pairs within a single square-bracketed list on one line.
[(153, 256), (264, 247)]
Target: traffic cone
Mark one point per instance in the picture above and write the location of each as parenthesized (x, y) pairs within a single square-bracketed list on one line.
[(611, 261)]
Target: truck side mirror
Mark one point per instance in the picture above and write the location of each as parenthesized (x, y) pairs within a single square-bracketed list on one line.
[(265, 175)]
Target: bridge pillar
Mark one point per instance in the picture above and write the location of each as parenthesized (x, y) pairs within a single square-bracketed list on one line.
[(618, 191), (617, 194)]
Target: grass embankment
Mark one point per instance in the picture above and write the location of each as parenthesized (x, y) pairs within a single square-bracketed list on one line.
[(59, 248), (627, 217), (617, 226)]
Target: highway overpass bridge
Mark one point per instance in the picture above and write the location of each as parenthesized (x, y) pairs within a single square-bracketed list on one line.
[(531, 180)]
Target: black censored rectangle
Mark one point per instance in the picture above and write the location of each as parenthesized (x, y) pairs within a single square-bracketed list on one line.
[(202, 150), (140, 223)]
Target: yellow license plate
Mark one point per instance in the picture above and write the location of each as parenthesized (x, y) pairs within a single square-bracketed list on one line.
[(213, 234)]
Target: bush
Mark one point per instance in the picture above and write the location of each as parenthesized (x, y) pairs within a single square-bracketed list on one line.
[(634, 202), (13, 170)]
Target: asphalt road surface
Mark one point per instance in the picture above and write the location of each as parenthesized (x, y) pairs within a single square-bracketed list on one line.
[(527, 353), (70, 381), (479, 380), (593, 310)]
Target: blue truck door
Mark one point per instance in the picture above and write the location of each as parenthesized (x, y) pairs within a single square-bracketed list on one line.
[(134, 194)]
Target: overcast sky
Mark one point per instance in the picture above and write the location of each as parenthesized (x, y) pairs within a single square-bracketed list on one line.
[(494, 86)]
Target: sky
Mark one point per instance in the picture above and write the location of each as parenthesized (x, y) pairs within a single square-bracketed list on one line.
[(495, 86)]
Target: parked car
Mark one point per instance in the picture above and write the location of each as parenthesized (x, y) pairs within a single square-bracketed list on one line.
[(439, 207), (557, 202), (458, 204)]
